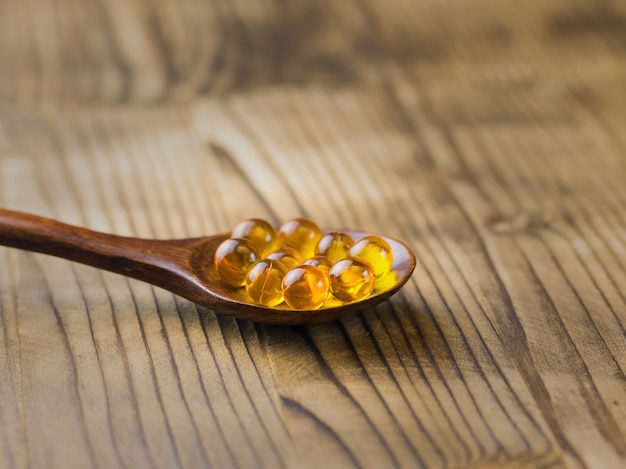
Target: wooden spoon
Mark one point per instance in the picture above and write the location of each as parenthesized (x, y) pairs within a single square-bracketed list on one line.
[(183, 266)]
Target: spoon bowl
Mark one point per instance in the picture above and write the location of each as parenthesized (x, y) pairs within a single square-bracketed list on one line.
[(185, 267)]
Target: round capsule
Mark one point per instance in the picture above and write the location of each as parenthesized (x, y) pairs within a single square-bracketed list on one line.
[(387, 281), (264, 282), (305, 287), (258, 232), (376, 251), (234, 259), (322, 263), (290, 257), (352, 279), (299, 234), (334, 246)]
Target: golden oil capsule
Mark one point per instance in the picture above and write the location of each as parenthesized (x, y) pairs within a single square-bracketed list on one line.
[(334, 246), (299, 234), (390, 279), (289, 257), (376, 251), (258, 232), (332, 302), (305, 287), (352, 279), (264, 282), (322, 263), (233, 260)]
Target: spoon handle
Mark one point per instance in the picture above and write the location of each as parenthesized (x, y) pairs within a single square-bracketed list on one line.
[(149, 260)]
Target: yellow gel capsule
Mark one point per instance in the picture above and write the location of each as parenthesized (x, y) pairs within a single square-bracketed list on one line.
[(376, 251), (332, 302), (387, 281), (289, 257), (322, 263), (234, 259), (305, 287), (334, 246), (264, 282), (299, 234), (352, 279), (258, 232)]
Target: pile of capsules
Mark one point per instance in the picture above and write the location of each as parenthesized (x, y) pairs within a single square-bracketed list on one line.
[(299, 265)]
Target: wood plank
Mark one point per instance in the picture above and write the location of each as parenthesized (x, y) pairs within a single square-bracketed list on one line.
[(486, 135)]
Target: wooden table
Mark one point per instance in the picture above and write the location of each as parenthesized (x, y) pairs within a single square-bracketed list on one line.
[(488, 135)]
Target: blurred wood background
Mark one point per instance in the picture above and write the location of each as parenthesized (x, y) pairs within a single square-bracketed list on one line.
[(489, 135)]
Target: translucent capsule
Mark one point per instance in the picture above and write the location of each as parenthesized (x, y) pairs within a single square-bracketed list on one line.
[(299, 234), (258, 232), (264, 282), (387, 281), (321, 262), (352, 279), (290, 257), (376, 251), (234, 259), (305, 287), (334, 246), (332, 302)]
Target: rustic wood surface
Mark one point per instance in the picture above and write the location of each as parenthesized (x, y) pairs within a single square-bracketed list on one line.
[(488, 135)]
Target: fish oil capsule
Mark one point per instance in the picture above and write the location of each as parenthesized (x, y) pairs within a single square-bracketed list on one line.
[(376, 251), (334, 246), (352, 279), (305, 287), (233, 259), (258, 232), (289, 257), (322, 263), (264, 282), (299, 234), (384, 283)]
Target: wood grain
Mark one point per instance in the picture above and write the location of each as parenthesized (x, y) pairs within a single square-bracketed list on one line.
[(489, 136)]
